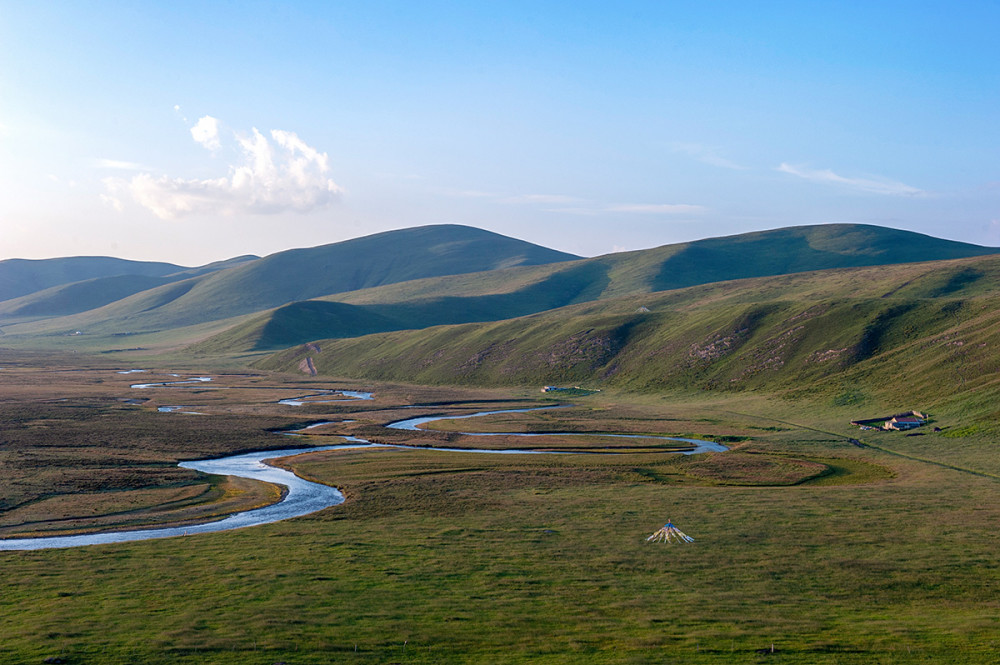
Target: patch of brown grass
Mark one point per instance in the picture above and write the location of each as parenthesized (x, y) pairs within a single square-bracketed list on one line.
[(736, 468)]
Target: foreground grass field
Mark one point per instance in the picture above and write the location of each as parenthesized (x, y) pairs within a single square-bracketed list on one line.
[(830, 552)]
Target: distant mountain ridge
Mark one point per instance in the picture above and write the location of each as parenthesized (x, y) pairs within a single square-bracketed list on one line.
[(801, 249), (80, 296), (427, 276), (301, 274), (518, 292), (19, 277)]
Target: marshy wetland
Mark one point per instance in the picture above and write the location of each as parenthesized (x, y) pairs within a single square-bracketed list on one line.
[(834, 553)]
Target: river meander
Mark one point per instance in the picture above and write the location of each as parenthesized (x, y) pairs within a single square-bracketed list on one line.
[(302, 496)]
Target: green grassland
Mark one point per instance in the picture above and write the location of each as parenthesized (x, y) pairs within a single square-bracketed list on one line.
[(830, 544), (829, 551), (880, 337), (416, 278)]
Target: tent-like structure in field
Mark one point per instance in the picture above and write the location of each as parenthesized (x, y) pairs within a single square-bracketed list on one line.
[(669, 533)]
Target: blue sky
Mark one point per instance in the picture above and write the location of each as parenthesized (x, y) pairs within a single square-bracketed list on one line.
[(195, 131)]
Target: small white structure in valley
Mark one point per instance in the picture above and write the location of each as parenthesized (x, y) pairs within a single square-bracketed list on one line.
[(668, 534)]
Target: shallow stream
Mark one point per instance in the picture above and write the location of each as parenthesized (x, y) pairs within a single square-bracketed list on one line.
[(303, 496)]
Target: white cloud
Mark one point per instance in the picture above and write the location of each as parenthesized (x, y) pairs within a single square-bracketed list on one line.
[(871, 185), (275, 175), (206, 132), (707, 155), (113, 202)]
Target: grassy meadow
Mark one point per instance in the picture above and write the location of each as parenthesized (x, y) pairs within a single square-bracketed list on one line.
[(829, 551)]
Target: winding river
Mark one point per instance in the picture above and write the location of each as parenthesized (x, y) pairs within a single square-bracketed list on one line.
[(192, 380), (302, 496), (348, 395)]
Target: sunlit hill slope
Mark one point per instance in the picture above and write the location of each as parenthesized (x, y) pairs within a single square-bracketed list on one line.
[(499, 295), (927, 332)]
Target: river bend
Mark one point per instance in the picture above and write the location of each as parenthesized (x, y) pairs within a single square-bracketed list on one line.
[(302, 496)]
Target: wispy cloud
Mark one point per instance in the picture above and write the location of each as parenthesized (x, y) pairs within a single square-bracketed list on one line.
[(550, 199), (576, 210), (707, 155), (871, 185), (277, 174), (575, 205), (657, 208), (592, 209)]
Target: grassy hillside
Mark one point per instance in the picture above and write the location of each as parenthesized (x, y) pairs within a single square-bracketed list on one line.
[(438, 275), (298, 322), (761, 254), (20, 277), (305, 273), (79, 296), (383, 258), (496, 296), (89, 294), (917, 332), (800, 249)]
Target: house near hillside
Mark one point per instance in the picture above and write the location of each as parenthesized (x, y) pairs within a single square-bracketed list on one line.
[(905, 422), (898, 422)]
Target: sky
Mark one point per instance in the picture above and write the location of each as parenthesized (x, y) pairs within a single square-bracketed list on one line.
[(191, 132)]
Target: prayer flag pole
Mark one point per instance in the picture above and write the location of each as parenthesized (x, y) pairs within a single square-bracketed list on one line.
[(668, 534)]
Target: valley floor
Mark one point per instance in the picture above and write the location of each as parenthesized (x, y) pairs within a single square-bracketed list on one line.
[(829, 551)]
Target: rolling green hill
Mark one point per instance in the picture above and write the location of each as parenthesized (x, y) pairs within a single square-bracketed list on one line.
[(383, 258), (302, 321), (499, 295), (427, 276), (79, 296), (19, 277), (803, 248), (302, 274), (90, 294), (928, 331)]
